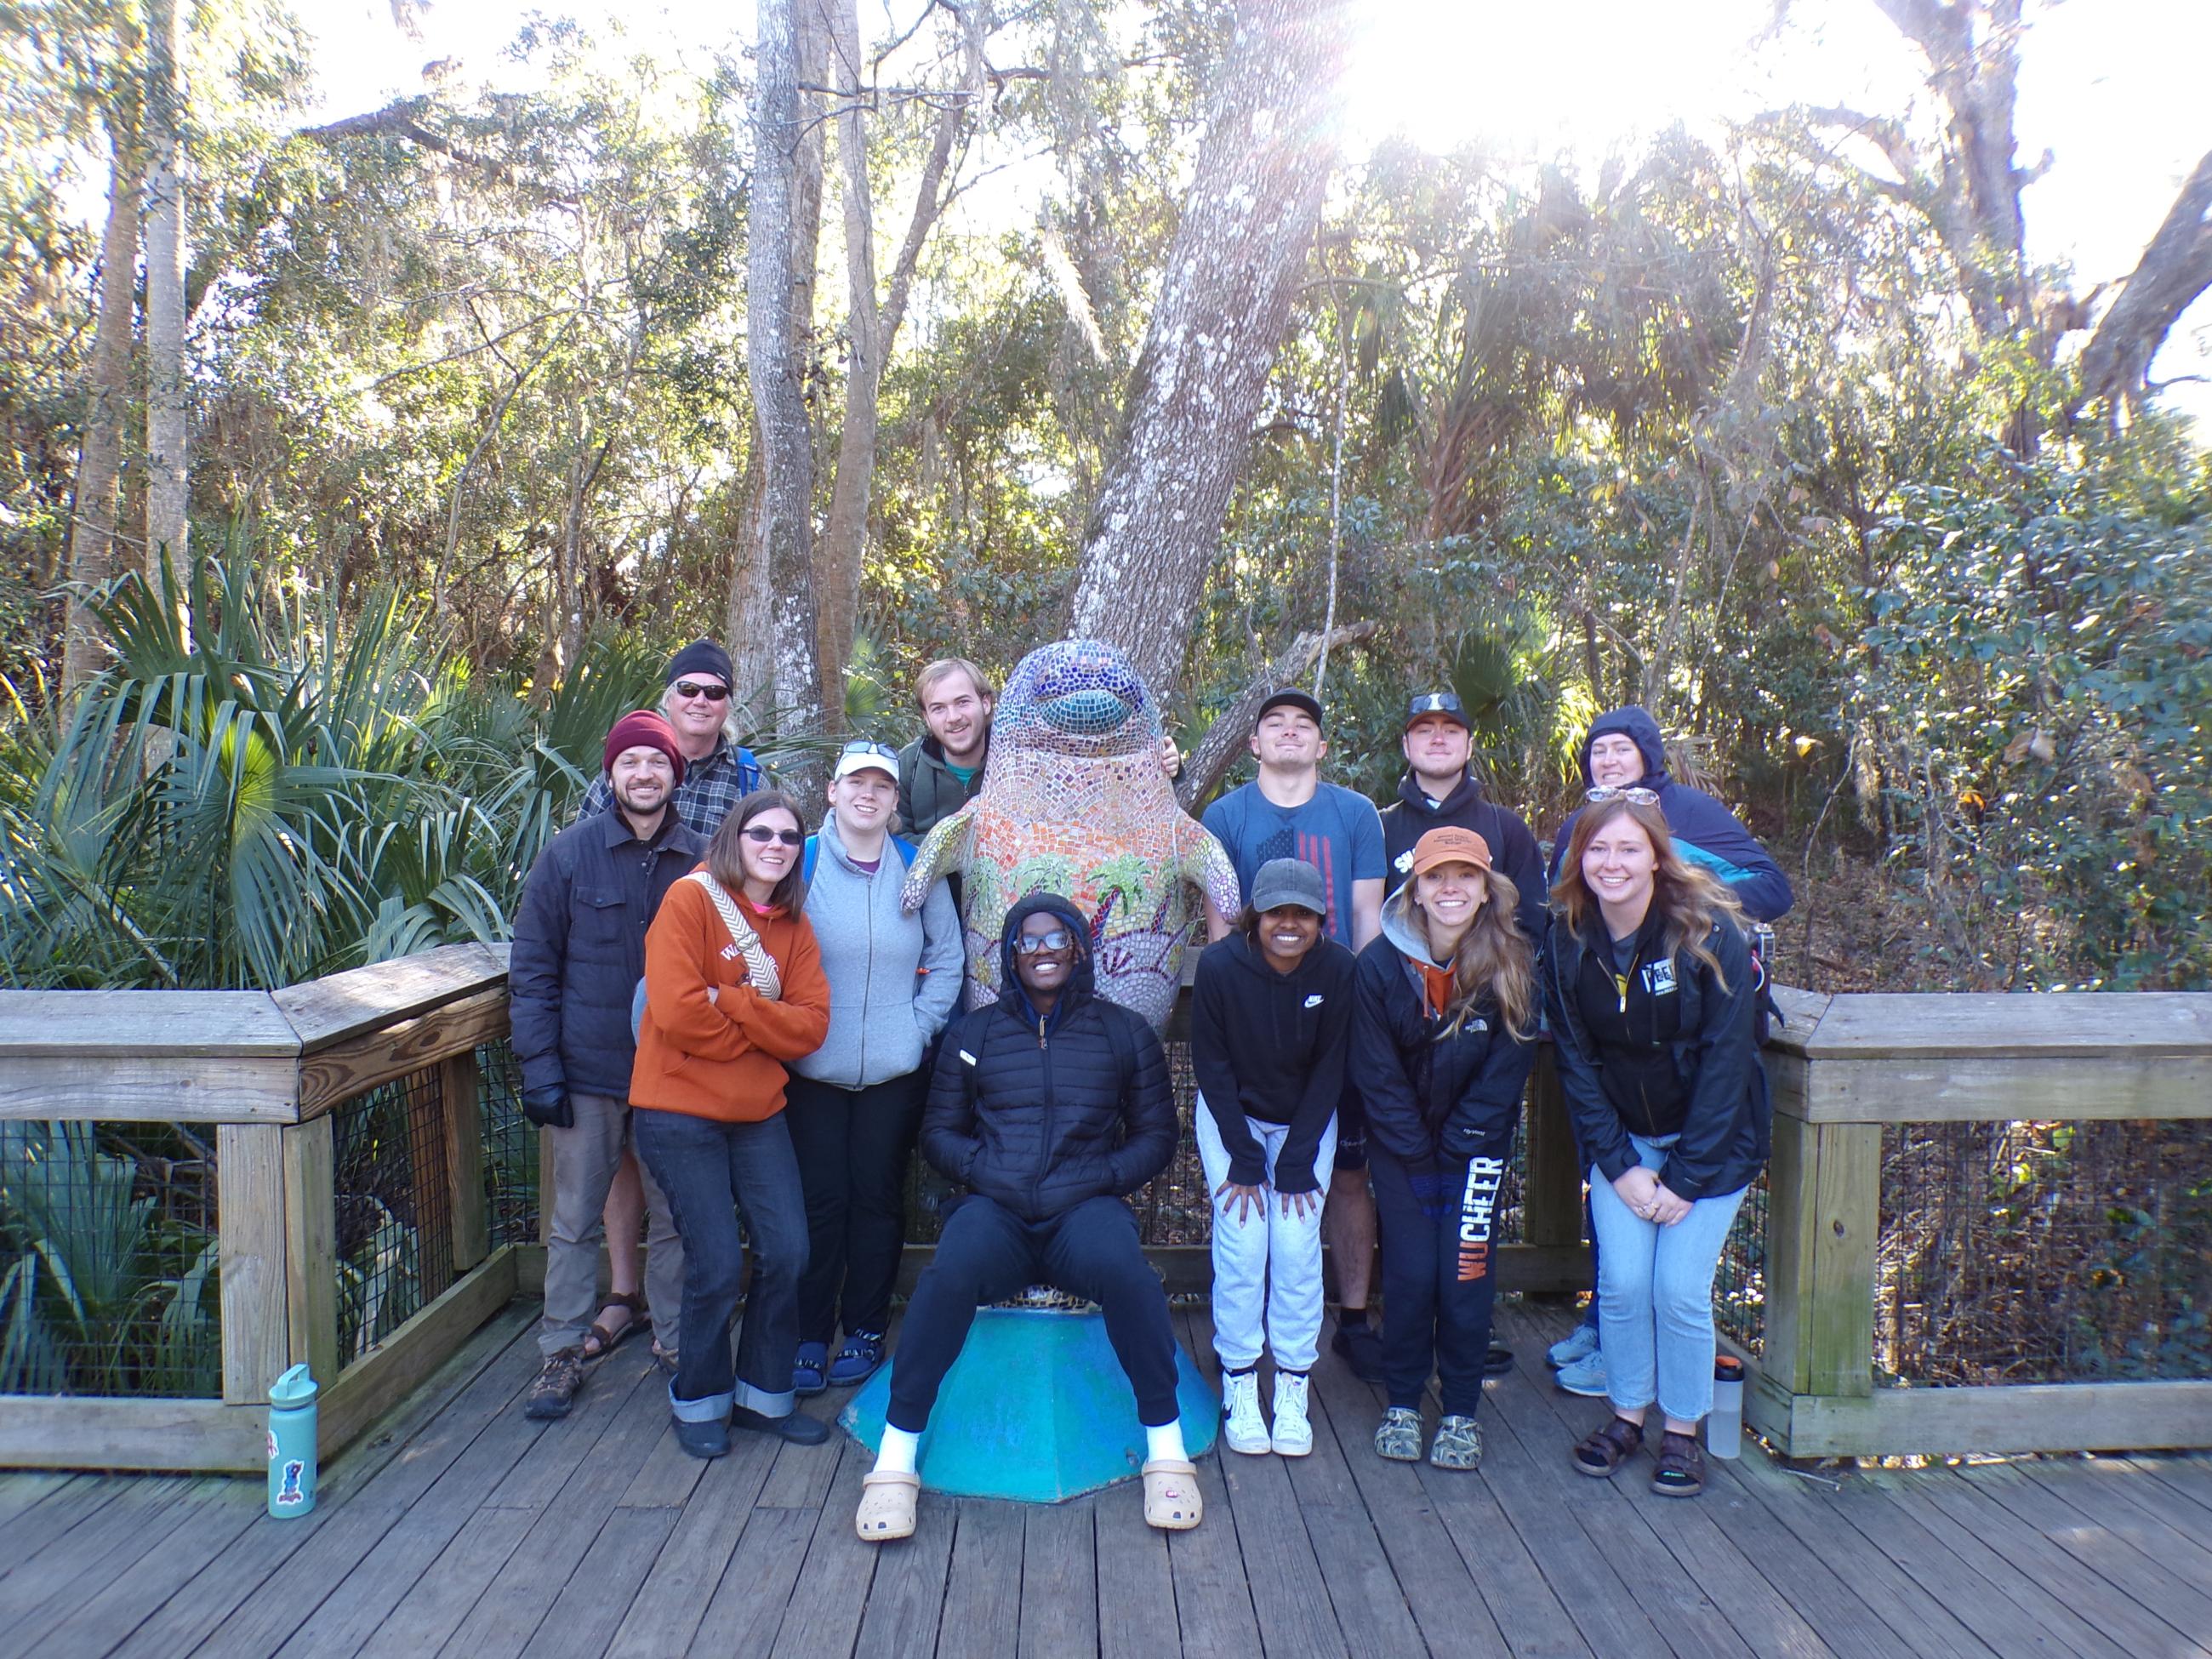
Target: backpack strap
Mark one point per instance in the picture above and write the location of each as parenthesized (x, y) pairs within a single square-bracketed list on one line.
[(906, 850), (761, 969)]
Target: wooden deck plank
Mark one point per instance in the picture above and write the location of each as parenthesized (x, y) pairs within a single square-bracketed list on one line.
[(1439, 1593), (1060, 1579), (1136, 1589), (982, 1615), (665, 1613), (440, 1598), (837, 1575), (201, 1530), (906, 1601), (595, 1597), (747, 1608), (2026, 1550), (2113, 1494), (1212, 1598), (801, 1476), (39, 1605), (2187, 1475), (44, 1524), (2109, 1555), (111, 1536), (1685, 1616), (24, 1489), (548, 1469)]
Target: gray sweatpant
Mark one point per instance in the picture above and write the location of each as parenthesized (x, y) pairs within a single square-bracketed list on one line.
[(585, 1157)]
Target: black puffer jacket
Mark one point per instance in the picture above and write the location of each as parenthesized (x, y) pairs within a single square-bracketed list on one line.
[(1040, 1114)]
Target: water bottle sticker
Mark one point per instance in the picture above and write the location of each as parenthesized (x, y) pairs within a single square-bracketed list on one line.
[(289, 1493), (272, 1445)]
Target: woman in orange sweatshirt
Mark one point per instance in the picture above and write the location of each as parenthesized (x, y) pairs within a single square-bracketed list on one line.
[(733, 990)]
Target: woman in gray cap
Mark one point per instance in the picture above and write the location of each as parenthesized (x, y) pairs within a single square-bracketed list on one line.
[(1270, 1009)]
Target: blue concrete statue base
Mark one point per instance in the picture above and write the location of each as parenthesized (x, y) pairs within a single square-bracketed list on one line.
[(1036, 1408)]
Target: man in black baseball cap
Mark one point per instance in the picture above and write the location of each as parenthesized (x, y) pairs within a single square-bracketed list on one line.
[(718, 771), (1438, 789)]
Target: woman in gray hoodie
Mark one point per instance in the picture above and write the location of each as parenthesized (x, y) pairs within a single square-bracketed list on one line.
[(854, 1104)]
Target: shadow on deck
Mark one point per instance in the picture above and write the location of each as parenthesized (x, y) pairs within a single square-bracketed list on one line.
[(464, 1529)]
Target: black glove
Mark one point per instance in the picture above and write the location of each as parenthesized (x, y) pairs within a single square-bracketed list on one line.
[(548, 1107)]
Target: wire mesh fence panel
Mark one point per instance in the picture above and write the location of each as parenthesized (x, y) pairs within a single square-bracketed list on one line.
[(108, 1261), (510, 1147), (395, 1229), (1740, 1285), (2044, 1251)]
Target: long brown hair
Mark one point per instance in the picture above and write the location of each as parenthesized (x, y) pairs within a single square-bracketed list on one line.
[(1690, 900), (1493, 957), (725, 863)]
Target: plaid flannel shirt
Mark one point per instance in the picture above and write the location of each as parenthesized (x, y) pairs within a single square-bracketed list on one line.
[(710, 788)]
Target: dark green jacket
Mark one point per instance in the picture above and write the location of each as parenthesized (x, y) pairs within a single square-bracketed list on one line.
[(929, 790)]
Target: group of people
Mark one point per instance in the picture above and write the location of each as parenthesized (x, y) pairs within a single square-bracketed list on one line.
[(724, 1020)]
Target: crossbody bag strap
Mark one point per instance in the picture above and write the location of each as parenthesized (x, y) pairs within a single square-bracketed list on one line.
[(760, 967)]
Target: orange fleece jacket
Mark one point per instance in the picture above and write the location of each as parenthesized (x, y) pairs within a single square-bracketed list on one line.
[(723, 1059)]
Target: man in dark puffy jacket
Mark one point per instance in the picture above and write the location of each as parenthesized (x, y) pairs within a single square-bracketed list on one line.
[(1052, 1105), (579, 953)]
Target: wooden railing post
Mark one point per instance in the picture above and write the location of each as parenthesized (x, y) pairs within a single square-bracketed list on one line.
[(311, 1246), (461, 1085), (1551, 1193), (250, 1212), (1823, 1222)]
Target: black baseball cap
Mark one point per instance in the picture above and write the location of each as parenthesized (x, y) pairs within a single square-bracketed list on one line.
[(1291, 697), (1438, 703)]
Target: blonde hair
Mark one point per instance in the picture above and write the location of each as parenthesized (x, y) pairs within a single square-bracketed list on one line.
[(1493, 958), (944, 666), (1692, 902)]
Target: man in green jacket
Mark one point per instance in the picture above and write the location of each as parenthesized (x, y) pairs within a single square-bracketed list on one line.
[(942, 771)]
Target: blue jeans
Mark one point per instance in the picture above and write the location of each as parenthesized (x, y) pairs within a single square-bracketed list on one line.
[(712, 1173), (1656, 1291)]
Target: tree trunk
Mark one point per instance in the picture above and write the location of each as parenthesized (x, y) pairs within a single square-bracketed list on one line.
[(1224, 300), (167, 459), (2174, 270), (773, 362), (92, 524), (838, 559)]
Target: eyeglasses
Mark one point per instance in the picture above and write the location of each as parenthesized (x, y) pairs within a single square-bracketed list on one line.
[(1635, 796), (711, 692), (1029, 944), (764, 834)]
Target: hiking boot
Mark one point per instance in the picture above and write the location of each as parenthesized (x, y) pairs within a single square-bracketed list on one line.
[(1246, 1429), (1361, 1350), (1586, 1377), (555, 1390), (1292, 1434), (1398, 1436), (1578, 1344), (1458, 1444)]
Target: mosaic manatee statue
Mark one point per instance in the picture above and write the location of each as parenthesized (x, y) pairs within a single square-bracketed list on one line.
[(1074, 802)]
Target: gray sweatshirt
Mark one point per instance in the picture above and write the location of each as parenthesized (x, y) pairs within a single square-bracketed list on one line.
[(894, 978)]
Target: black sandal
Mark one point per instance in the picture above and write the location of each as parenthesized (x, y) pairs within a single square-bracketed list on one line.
[(608, 1340), (1601, 1452), (1681, 1471)]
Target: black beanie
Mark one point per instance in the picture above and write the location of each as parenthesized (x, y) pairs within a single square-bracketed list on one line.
[(701, 657)]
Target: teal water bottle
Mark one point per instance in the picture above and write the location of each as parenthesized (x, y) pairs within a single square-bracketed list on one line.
[(292, 1444)]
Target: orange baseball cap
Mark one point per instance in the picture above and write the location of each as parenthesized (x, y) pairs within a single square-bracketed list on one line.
[(1449, 844)]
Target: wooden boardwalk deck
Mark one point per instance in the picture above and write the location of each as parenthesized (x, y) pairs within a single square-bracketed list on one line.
[(466, 1530)]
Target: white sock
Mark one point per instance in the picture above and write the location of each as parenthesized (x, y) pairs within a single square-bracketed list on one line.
[(1165, 1443), (899, 1453)]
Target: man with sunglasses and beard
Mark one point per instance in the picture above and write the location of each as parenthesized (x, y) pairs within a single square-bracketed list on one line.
[(1051, 1106), (1624, 757), (718, 771)]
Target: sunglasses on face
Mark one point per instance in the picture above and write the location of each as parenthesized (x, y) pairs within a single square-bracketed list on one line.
[(1605, 792), (693, 688), (1031, 944), (764, 834)]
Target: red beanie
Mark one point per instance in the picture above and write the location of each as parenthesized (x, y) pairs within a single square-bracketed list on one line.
[(643, 730)]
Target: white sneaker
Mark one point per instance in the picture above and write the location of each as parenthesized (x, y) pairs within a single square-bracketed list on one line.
[(1293, 1434), (1247, 1429), (1578, 1344)]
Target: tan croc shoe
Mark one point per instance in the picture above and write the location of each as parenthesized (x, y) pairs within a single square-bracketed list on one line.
[(1171, 1499), (887, 1504)]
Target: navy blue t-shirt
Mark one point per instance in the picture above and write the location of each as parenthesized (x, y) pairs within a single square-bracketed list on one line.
[(1338, 832)]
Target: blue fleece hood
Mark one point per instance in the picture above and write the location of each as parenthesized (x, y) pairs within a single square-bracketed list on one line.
[(1640, 728), (1082, 979)]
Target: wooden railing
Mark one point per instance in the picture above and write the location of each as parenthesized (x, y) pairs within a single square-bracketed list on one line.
[(268, 1072), (1842, 1068)]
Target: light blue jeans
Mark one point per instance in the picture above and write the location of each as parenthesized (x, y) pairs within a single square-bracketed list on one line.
[(1656, 1294)]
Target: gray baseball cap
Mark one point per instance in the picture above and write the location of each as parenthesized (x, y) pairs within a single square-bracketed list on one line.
[(1289, 881)]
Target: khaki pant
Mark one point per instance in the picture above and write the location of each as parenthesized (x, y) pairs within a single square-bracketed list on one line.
[(585, 1157)]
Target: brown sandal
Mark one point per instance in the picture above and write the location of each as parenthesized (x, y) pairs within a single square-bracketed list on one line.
[(1604, 1451), (609, 1339), (1680, 1470)]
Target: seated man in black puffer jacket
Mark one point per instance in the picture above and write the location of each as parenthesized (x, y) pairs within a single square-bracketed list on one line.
[(1052, 1105)]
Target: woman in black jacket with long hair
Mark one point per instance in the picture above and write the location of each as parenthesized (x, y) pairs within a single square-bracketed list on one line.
[(1653, 1000), (1443, 1016)]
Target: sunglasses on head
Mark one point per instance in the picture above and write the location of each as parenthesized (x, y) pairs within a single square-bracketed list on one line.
[(1029, 944), (711, 692), (764, 834), (1602, 793), (863, 746)]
